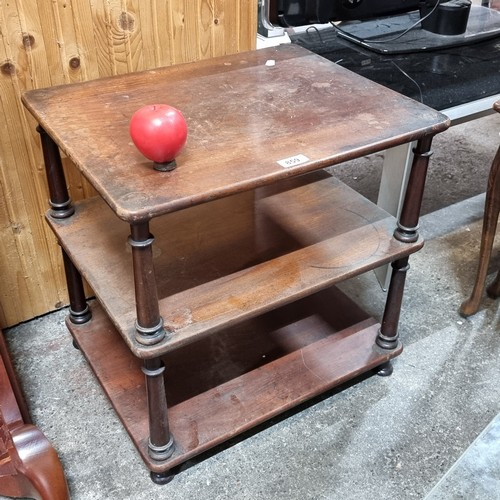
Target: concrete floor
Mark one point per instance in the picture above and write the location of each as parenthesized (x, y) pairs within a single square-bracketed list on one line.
[(417, 433)]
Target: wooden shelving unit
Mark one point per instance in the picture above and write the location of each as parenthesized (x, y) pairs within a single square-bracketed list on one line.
[(223, 301)]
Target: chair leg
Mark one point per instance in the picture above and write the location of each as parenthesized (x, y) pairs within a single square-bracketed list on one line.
[(36, 470), (491, 211)]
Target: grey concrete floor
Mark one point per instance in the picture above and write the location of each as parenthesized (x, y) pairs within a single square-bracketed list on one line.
[(399, 437)]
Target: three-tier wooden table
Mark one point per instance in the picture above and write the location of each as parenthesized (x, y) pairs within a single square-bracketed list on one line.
[(215, 281)]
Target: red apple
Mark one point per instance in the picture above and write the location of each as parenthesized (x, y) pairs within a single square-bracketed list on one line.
[(159, 132)]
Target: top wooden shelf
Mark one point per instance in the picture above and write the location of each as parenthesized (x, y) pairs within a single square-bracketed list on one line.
[(245, 113)]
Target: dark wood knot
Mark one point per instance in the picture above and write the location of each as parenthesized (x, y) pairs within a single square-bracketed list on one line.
[(8, 68), (74, 62), (28, 40)]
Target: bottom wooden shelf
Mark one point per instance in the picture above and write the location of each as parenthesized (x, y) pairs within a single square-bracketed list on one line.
[(225, 384)]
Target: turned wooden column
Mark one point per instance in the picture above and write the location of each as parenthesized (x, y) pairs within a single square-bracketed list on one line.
[(149, 323), (161, 443), (60, 202), (388, 337), (406, 231), (150, 331), (62, 208)]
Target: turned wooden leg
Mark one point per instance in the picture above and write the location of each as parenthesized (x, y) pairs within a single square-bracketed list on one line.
[(150, 331), (490, 220), (79, 311), (60, 202), (62, 208), (388, 337), (406, 231), (161, 444), (149, 325)]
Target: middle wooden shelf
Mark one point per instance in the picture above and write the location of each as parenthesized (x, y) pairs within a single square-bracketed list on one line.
[(232, 259)]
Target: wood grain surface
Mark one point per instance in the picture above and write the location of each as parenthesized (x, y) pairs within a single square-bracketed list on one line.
[(49, 43)]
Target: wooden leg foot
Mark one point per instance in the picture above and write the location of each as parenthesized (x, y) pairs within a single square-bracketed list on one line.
[(163, 477), (469, 306), (385, 370)]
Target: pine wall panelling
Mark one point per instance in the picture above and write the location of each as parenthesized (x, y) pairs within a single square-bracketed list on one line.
[(52, 42)]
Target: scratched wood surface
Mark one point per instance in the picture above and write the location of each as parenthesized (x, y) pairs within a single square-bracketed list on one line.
[(45, 43)]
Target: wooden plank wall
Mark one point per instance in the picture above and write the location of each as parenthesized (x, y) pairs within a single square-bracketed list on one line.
[(51, 42)]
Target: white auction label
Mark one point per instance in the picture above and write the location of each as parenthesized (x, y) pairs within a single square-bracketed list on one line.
[(293, 161)]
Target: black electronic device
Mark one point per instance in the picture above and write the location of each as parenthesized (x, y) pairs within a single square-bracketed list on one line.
[(301, 12), (394, 26)]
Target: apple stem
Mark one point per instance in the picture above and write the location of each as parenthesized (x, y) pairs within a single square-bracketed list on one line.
[(165, 166)]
